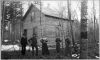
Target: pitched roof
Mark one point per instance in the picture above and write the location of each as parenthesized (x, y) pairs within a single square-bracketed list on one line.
[(47, 11), (27, 12)]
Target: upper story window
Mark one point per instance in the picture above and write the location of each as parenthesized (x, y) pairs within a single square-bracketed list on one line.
[(32, 16), (32, 13)]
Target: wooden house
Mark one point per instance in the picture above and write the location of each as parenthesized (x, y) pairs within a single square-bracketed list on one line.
[(45, 23)]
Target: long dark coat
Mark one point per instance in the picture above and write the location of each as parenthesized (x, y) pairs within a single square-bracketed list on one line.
[(67, 48), (58, 44), (23, 41), (44, 47)]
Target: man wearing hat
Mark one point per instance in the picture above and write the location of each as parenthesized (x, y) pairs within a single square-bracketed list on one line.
[(23, 44), (33, 42)]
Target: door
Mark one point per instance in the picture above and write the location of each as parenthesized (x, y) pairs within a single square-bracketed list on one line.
[(25, 32), (35, 31)]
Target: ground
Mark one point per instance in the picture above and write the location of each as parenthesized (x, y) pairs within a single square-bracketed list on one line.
[(17, 55), (7, 52)]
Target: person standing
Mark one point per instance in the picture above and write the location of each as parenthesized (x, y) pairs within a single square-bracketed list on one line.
[(33, 42), (57, 44), (67, 48), (45, 50), (23, 44)]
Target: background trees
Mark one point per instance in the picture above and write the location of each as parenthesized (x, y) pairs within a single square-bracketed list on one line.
[(84, 40), (12, 14)]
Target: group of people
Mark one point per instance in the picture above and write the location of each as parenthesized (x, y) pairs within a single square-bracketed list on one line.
[(45, 50)]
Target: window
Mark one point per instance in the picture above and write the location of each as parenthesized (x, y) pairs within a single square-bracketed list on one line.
[(35, 31), (25, 32), (32, 13), (32, 17)]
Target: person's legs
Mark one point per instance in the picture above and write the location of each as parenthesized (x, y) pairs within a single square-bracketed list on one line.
[(46, 49), (48, 52), (58, 47), (33, 50), (66, 51), (23, 50), (43, 53), (58, 51), (36, 47)]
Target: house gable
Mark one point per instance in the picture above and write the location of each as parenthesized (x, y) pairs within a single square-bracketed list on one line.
[(33, 7)]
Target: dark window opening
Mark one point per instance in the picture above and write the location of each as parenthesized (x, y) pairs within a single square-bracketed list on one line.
[(25, 32)]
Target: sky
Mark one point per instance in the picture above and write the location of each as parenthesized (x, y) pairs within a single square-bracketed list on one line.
[(75, 6)]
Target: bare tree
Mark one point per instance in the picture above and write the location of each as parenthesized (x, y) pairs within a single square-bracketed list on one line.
[(62, 10), (94, 22), (2, 21), (84, 40)]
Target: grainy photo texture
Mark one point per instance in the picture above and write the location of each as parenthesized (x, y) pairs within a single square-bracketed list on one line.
[(50, 29)]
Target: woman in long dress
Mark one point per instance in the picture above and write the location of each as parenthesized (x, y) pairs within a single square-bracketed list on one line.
[(57, 44), (67, 48), (45, 50)]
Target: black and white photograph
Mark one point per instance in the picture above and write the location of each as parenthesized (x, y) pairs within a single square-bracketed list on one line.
[(50, 29)]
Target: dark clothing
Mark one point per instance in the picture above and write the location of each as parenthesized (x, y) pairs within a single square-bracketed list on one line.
[(35, 48), (33, 42), (45, 50), (23, 43), (58, 44), (67, 48), (23, 50)]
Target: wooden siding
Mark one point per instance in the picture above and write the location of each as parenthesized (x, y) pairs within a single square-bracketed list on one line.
[(48, 26)]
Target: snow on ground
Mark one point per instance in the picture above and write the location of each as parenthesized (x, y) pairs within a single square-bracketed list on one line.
[(16, 47), (13, 47), (9, 47), (97, 57)]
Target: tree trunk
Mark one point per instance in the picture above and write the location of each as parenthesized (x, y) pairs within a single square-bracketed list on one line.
[(84, 40), (41, 18), (94, 23), (69, 15), (2, 24)]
